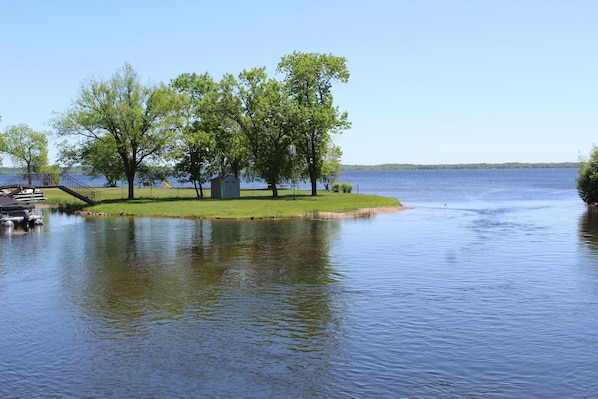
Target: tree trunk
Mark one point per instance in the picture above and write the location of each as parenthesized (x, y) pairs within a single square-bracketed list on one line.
[(274, 190), (29, 177), (130, 170), (313, 178), (314, 189), (131, 182)]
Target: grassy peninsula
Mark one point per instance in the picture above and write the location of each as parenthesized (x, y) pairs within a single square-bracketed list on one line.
[(253, 204)]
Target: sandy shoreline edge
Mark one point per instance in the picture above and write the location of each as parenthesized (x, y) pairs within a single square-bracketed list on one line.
[(363, 212), (360, 213)]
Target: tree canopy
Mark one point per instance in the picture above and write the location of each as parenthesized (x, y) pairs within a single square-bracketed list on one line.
[(309, 78), (203, 127), (27, 148), (135, 120), (194, 147), (264, 114)]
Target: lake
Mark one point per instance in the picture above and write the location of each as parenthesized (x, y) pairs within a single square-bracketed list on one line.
[(486, 287)]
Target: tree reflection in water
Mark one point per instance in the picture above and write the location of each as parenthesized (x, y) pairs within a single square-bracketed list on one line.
[(163, 295), (588, 228)]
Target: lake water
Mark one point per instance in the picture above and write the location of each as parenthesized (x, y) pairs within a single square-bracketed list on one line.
[(487, 287)]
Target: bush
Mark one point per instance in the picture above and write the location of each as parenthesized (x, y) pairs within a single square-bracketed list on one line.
[(587, 182), (346, 187)]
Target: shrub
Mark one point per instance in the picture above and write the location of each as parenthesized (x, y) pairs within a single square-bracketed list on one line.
[(587, 182), (346, 187)]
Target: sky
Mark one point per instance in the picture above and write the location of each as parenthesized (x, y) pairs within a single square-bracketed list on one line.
[(432, 81)]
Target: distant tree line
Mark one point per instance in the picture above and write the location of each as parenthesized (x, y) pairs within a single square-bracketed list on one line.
[(509, 165), (201, 127)]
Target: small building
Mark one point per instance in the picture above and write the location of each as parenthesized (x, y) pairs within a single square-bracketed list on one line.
[(227, 186)]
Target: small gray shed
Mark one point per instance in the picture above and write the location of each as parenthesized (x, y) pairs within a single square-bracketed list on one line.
[(227, 186)]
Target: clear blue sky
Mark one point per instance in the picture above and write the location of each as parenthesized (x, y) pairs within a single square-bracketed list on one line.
[(431, 81)]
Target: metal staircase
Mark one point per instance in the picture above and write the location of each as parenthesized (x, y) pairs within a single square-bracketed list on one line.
[(68, 184)]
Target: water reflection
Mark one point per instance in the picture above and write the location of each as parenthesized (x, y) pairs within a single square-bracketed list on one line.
[(118, 307), (588, 256), (588, 228), (163, 296)]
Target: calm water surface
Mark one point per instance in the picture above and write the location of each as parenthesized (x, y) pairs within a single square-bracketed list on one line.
[(486, 287)]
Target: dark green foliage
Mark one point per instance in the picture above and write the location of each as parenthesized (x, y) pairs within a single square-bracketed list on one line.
[(263, 113), (124, 117), (309, 78), (587, 182), (346, 187), (203, 127), (342, 187)]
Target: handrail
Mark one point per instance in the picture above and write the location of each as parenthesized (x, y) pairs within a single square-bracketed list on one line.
[(80, 188), (47, 180)]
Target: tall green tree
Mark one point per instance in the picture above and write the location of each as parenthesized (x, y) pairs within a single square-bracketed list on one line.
[(195, 163), (194, 149), (309, 78), (233, 144), (139, 120), (232, 152), (27, 148), (263, 112)]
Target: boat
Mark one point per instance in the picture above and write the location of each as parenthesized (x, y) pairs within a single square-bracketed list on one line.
[(15, 212), (23, 194)]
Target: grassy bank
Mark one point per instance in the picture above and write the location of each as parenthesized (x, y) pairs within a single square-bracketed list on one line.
[(182, 202)]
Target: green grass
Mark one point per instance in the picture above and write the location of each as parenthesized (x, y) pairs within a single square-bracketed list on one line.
[(182, 202)]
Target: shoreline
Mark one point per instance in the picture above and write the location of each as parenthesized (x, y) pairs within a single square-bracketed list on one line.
[(252, 205), (357, 214), (363, 212)]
